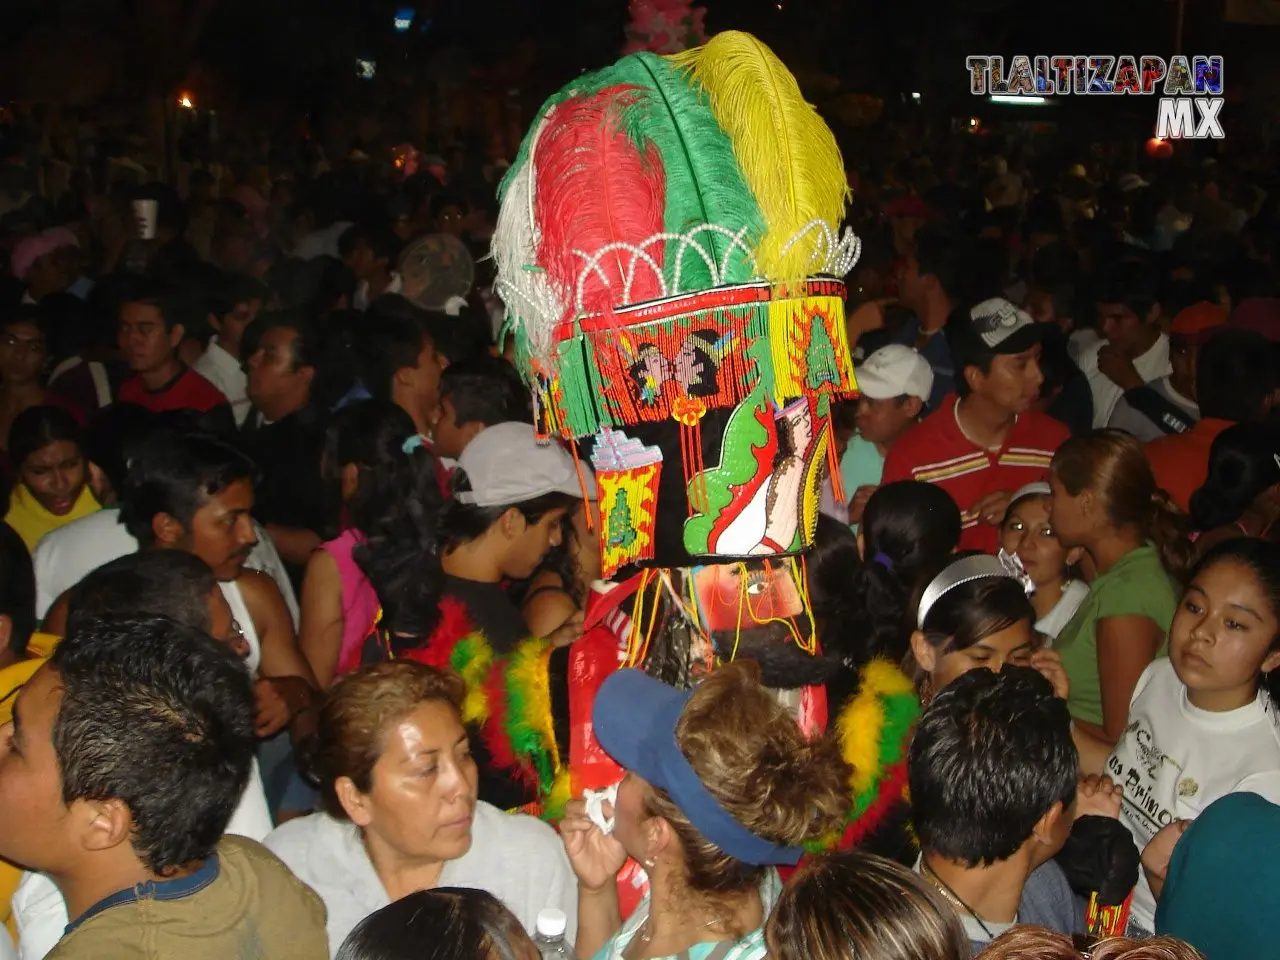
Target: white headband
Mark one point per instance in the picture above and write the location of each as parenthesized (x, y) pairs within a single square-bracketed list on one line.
[(964, 570)]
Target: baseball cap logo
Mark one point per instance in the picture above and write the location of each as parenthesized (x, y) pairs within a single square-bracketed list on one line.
[(994, 320)]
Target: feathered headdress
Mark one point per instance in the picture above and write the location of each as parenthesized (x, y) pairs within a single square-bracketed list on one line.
[(670, 255)]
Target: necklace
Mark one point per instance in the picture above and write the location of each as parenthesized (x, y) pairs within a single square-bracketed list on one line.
[(646, 935), (953, 898), (968, 436)]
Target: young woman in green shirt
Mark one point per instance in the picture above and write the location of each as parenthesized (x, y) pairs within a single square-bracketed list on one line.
[(1105, 500)]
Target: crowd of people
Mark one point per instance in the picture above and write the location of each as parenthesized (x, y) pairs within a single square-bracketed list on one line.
[(267, 453)]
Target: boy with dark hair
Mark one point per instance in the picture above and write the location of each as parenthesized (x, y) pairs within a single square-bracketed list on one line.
[(285, 436), (987, 440), (402, 359), (370, 252), (233, 303), (195, 494), (993, 777), (148, 335), (474, 394), (124, 800), (932, 286), (1129, 320)]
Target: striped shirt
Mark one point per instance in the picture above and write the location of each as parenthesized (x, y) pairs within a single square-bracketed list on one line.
[(937, 451)]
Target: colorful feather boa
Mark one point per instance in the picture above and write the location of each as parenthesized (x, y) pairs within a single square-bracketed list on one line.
[(875, 729)]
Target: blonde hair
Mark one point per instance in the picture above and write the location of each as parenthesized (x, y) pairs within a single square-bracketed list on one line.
[(360, 708), (753, 758), (854, 904), (1112, 464), (1039, 943)]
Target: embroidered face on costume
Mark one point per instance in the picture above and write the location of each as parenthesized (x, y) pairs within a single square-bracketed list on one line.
[(746, 594)]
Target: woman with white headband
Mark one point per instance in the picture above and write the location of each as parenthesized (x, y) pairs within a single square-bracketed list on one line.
[(975, 615)]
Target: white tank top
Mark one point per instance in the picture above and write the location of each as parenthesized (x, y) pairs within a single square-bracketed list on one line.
[(231, 590)]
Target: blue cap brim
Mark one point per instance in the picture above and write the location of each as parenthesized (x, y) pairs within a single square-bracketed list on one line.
[(634, 716)]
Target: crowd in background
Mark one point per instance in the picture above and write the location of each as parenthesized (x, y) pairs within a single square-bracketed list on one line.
[(233, 410)]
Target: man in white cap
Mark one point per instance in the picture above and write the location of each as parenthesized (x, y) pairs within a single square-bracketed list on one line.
[(893, 386)]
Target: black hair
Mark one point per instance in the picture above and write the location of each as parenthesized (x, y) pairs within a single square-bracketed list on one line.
[(1235, 375), (176, 474), (159, 716), (307, 348), (336, 284), (463, 522), (943, 252), (294, 282), (1133, 283), (111, 436), (157, 294), (233, 289), (447, 923), (152, 583), (31, 313), (1262, 557), (485, 390), (967, 349), (972, 611), (911, 527), (1242, 464), (394, 335), (991, 755), (17, 590), (371, 435), (37, 427), (383, 243), (395, 507)]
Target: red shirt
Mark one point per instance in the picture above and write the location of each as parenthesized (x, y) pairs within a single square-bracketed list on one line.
[(187, 391), (936, 451), (1180, 461)]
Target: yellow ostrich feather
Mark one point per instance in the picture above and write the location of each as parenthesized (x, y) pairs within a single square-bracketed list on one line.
[(788, 155), (861, 723)]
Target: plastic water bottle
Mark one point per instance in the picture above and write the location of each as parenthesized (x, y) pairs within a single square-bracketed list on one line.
[(550, 939)]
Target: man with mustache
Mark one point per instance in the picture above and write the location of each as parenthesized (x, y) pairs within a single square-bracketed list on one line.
[(195, 493)]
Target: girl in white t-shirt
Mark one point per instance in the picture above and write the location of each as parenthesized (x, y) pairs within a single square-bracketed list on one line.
[(1028, 534), (1203, 721)]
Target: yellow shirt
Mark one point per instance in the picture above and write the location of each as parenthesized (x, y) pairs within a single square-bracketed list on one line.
[(32, 521), (11, 678)]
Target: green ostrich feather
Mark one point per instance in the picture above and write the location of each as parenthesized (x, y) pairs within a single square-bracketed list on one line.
[(703, 181), (471, 657), (521, 726), (900, 712)]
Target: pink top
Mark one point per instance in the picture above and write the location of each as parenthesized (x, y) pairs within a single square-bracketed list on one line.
[(359, 600)]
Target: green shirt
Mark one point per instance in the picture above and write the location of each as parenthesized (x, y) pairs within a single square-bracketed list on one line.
[(861, 466), (1137, 586)]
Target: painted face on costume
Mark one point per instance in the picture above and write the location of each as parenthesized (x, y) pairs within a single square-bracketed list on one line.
[(745, 595)]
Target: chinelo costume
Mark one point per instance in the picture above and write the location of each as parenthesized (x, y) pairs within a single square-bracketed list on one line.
[(669, 252)]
